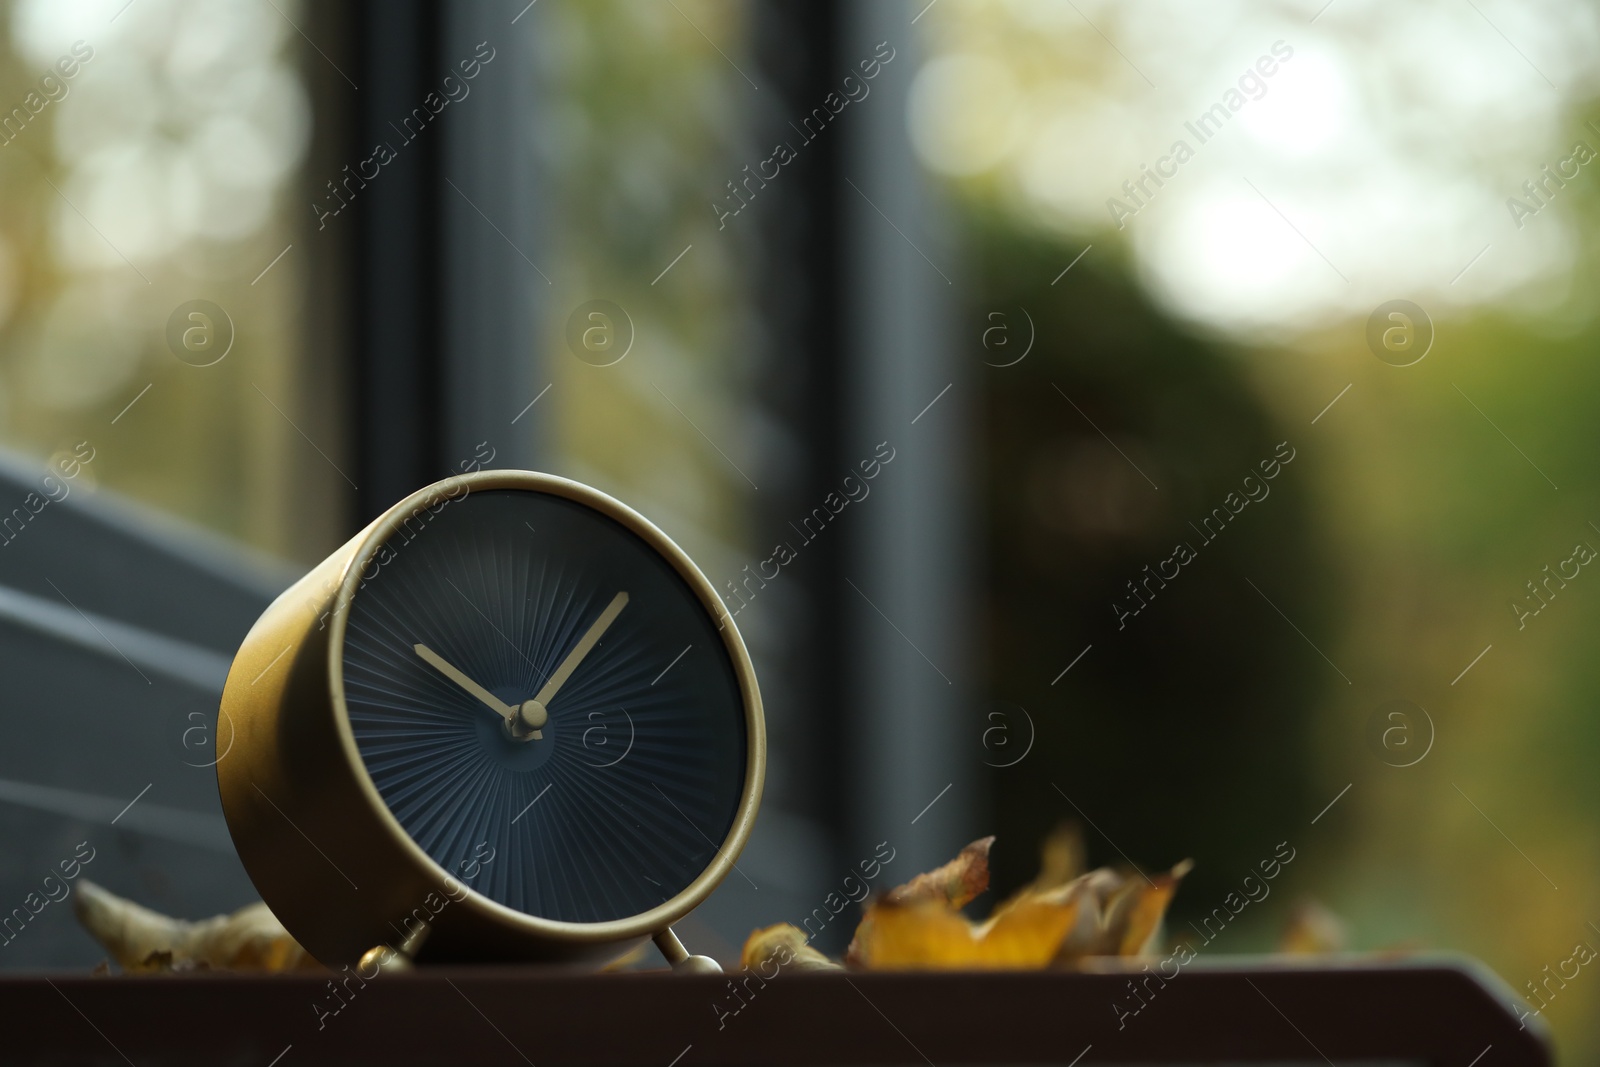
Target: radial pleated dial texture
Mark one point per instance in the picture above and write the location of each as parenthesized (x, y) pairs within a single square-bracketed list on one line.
[(474, 607)]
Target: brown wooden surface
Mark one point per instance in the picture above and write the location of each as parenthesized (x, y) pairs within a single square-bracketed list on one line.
[(1439, 1012)]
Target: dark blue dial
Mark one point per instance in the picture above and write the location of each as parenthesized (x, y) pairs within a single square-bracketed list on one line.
[(633, 780)]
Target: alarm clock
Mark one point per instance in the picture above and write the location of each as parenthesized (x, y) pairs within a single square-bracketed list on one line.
[(509, 720)]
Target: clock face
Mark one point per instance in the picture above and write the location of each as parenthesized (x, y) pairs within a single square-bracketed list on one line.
[(545, 705)]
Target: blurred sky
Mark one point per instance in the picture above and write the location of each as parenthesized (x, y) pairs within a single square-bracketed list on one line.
[(1390, 140)]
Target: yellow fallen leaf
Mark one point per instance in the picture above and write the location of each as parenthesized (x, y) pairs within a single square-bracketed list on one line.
[(1059, 918), (251, 939), (782, 945), (955, 884), (931, 935), (1122, 911), (1104, 912), (1061, 857), (1137, 921), (1313, 930), (1098, 894)]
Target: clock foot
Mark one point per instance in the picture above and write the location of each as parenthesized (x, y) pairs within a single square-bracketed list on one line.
[(392, 960), (679, 957)]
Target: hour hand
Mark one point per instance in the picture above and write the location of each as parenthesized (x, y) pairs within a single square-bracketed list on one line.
[(444, 667)]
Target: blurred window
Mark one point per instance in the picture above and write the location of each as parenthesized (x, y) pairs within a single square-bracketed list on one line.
[(642, 103), (149, 159)]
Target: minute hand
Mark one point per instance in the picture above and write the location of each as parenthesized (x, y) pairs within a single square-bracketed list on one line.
[(584, 646)]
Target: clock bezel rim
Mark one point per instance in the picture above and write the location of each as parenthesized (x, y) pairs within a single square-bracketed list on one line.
[(645, 923)]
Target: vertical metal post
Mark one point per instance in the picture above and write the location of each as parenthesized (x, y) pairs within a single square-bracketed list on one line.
[(794, 248), (916, 738), (442, 280), (492, 287), (397, 269)]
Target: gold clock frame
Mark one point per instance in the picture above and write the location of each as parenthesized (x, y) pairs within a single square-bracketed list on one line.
[(315, 836)]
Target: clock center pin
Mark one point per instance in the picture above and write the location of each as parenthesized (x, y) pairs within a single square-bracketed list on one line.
[(530, 720)]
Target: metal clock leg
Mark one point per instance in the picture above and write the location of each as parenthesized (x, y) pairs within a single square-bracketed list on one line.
[(679, 957)]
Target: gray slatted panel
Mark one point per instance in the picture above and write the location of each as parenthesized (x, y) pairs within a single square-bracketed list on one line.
[(98, 693), (116, 558)]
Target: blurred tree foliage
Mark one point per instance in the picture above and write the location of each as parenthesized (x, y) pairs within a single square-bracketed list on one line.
[(1184, 730), (1414, 514)]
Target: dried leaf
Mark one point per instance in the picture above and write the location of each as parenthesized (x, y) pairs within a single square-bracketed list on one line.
[(1106, 896), (785, 946), (251, 939), (1124, 911), (1061, 857), (955, 884), (1083, 893), (1136, 925), (932, 935), (952, 886), (1059, 918), (1313, 930), (1055, 919)]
